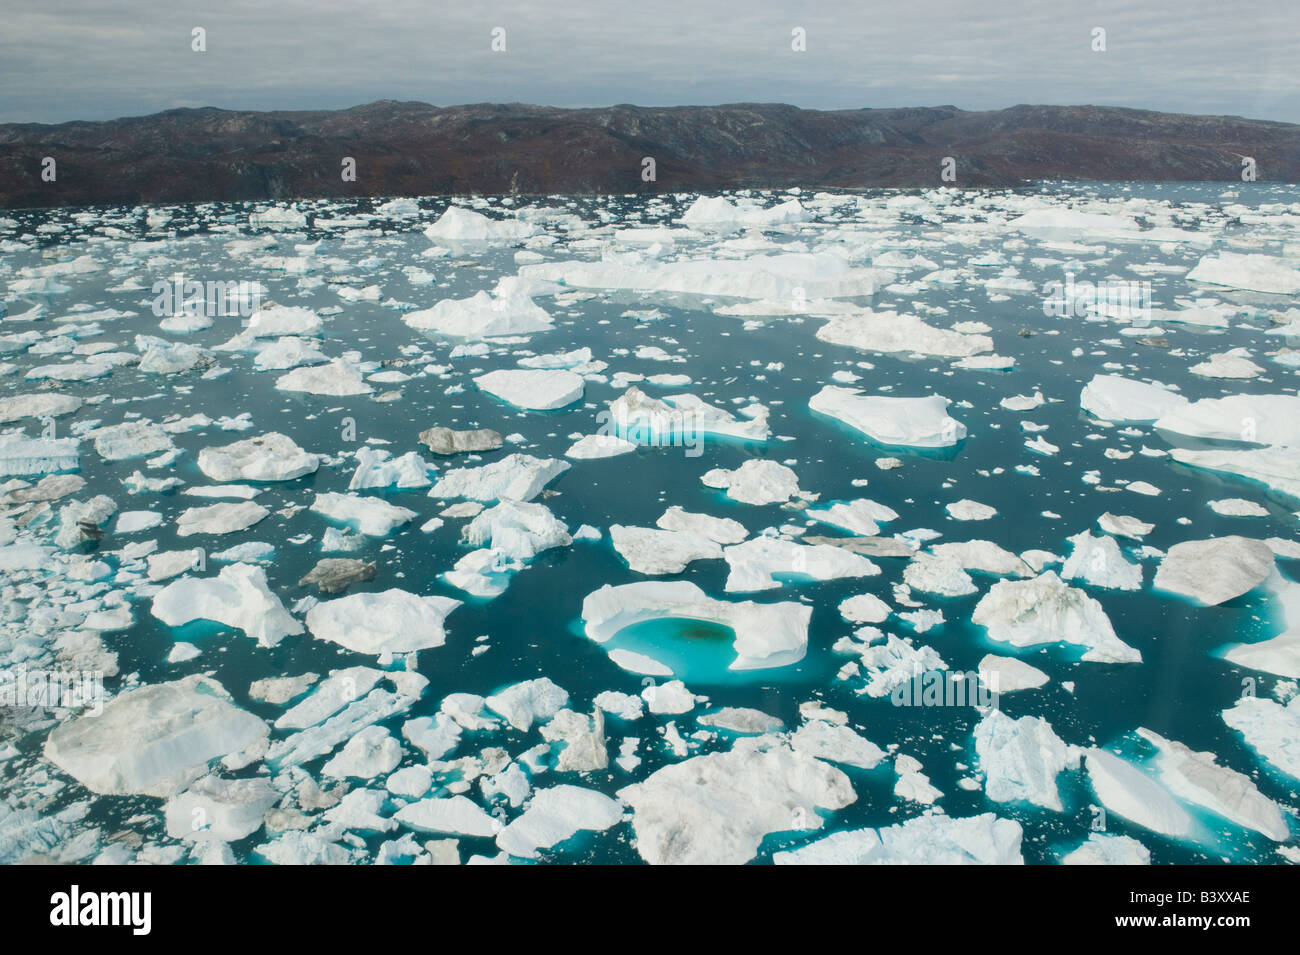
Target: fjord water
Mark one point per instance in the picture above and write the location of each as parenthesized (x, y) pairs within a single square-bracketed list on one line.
[(534, 628)]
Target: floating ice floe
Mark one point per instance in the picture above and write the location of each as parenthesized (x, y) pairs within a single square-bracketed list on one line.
[(517, 477), (339, 378), (679, 420), (649, 550), (716, 213), (510, 311), (594, 446), (717, 809), (1114, 398), (1021, 759), (368, 515), (556, 814), (1230, 364), (1269, 728), (377, 468), (1028, 613), (792, 276), (757, 481), (857, 517), (893, 422), (766, 634), (459, 225), (269, 457), (1198, 778), (926, 840), (1256, 273), (154, 740), (237, 597), (890, 332), (23, 456), (535, 389), (1105, 849), (1277, 467), (758, 562), (223, 518), (1128, 792), (391, 621), (1098, 561), (1009, 675), (1214, 570)]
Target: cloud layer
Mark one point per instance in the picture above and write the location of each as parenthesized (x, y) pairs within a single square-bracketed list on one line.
[(61, 61)]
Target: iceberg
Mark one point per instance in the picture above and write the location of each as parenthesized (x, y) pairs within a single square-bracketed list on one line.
[(154, 740), (237, 597), (269, 457), (517, 477), (535, 389), (1215, 570), (1027, 613), (894, 422), (766, 634), (717, 809), (390, 621)]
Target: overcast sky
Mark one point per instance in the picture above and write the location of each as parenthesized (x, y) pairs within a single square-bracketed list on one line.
[(73, 59)]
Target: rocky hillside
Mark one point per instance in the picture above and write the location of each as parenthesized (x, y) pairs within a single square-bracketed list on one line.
[(416, 149)]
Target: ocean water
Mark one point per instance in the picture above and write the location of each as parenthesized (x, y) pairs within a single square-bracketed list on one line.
[(535, 628)]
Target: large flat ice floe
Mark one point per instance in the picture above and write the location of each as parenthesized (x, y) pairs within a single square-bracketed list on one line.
[(1115, 398), (391, 621), (1256, 273), (1197, 778), (890, 332), (268, 457), (926, 840), (536, 389), (154, 740), (766, 634), (787, 276), (893, 422), (1212, 571), (717, 809), (1270, 728)]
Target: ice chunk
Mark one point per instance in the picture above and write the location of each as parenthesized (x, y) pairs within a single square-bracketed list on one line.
[(1114, 398), (516, 477), (1127, 791), (1045, 610), (556, 814), (154, 740), (237, 597), (757, 481), (1214, 570), (894, 422), (767, 635), (269, 457), (717, 809), (391, 621), (368, 515), (536, 389), (1020, 759)]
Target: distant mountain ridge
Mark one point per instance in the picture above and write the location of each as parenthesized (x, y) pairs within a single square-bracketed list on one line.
[(194, 155)]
